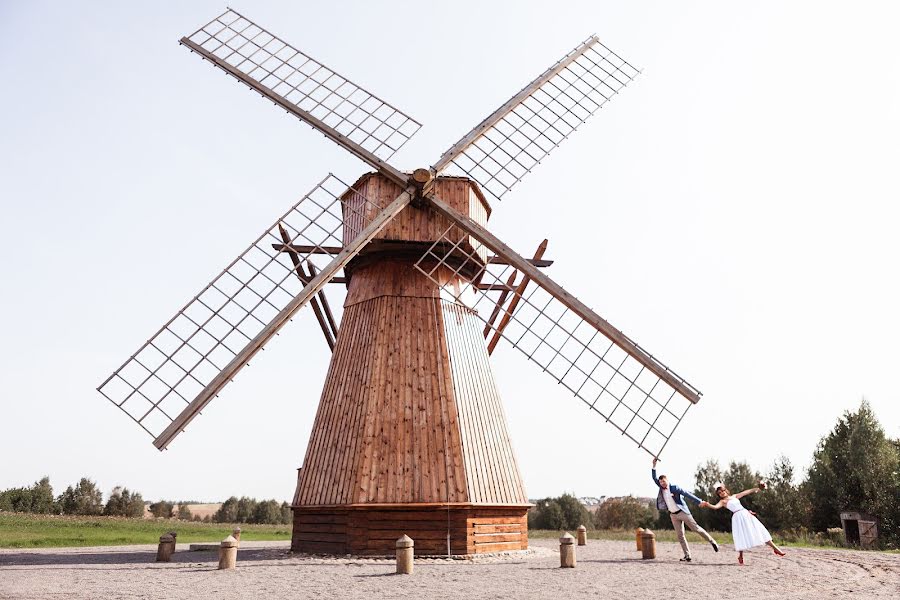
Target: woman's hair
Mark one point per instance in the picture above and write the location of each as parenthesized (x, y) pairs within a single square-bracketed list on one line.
[(725, 489)]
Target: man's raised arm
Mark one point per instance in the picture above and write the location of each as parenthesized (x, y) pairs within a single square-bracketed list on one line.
[(653, 472)]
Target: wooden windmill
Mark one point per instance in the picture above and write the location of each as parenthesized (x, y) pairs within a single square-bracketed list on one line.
[(410, 435)]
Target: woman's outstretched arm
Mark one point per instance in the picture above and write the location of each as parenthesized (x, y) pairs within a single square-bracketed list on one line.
[(715, 506), (747, 492)]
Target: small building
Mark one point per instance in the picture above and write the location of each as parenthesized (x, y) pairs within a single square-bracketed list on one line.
[(860, 529)]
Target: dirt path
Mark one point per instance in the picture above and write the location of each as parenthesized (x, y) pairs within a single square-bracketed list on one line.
[(605, 568)]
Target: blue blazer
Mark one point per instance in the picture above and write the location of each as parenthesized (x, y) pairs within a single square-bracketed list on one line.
[(677, 494)]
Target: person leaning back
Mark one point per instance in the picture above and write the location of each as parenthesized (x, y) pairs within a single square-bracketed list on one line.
[(671, 499)]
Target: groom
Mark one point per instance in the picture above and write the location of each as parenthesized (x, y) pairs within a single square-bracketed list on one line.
[(670, 500)]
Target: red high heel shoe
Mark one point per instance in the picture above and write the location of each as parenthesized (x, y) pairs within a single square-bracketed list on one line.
[(740, 558), (778, 552)]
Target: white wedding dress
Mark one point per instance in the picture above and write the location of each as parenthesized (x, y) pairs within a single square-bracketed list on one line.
[(746, 529)]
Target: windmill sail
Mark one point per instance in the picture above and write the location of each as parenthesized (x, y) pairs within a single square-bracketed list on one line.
[(632, 390), (351, 116), (509, 143), (181, 367)]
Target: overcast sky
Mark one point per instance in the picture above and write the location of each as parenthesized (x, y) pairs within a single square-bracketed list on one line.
[(735, 211)]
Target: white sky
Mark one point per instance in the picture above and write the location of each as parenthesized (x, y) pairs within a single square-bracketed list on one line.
[(734, 211)]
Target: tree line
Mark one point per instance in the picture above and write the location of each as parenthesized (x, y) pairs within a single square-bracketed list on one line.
[(85, 498), (855, 467)]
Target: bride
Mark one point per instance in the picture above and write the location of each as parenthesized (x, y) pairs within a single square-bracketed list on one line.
[(746, 529)]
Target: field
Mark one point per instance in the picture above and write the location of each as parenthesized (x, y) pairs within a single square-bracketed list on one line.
[(50, 531)]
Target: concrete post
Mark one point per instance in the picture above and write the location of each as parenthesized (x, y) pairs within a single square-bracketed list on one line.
[(567, 551), (648, 544), (228, 553), (166, 548), (405, 555), (236, 534), (582, 535), (637, 538)]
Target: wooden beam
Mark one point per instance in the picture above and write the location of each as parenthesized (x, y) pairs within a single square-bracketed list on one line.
[(514, 302), (325, 306), (567, 299), (489, 326), (495, 117), (305, 279), (304, 249), (249, 351)]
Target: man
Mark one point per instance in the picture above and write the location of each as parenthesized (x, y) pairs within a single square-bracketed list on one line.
[(670, 500)]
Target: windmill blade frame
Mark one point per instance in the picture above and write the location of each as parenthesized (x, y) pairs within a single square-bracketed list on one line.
[(173, 375), (616, 377), (498, 152), (362, 123)]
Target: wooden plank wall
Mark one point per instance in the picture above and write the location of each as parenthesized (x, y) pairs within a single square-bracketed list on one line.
[(374, 532), (412, 224)]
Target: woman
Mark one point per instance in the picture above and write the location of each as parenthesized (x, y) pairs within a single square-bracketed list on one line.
[(746, 529)]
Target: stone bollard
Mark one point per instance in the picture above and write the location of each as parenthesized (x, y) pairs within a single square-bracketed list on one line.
[(228, 553), (637, 538), (648, 544), (236, 534), (567, 551), (166, 548), (405, 555), (582, 535)]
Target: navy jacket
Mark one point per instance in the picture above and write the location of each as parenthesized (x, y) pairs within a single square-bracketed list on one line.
[(677, 494)]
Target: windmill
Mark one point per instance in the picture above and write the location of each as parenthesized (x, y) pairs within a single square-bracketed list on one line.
[(409, 435)]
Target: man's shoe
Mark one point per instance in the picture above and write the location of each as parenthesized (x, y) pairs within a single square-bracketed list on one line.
[(685, 559), (714, 545)]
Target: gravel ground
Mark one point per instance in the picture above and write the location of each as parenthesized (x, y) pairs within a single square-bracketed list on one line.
[(607, 568)]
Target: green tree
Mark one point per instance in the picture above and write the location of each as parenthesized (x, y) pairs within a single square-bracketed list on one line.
[(162, 509), (184, 512), (624, 513), (227, 513), (563, 513), (124, 503), (267, 511), (83, 499), (855, 467), (782, 506), (245, 509), (287, 515)]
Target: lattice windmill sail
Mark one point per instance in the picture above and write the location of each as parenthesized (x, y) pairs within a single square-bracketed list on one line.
[(409, 436)]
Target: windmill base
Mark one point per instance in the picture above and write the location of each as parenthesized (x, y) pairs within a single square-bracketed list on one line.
[(373, 530)]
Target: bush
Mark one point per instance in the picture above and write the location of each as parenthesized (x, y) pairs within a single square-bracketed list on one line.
[(184, 512), (124, 503), (563, 513), (162, 509), (35, 499), (624, 513)]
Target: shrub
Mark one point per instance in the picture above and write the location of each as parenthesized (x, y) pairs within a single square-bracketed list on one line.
[(162, 509), (124, 503), (83, 499), (624, 513)]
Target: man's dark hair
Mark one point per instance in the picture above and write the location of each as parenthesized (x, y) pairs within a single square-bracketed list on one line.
[(663, 477)]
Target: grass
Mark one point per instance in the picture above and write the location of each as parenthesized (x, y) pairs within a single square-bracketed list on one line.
[(52, 531)]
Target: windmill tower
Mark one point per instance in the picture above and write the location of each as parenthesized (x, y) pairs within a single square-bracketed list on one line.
[(409, 436)]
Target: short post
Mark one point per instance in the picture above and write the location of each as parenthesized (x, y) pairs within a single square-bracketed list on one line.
[(405, 555), (567, 551), (637, 538), (166, 548), (648, 544), (236, 534), (582, 535), (228, 553)]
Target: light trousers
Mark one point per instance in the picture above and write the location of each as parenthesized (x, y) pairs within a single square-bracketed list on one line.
[(679, 520)]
